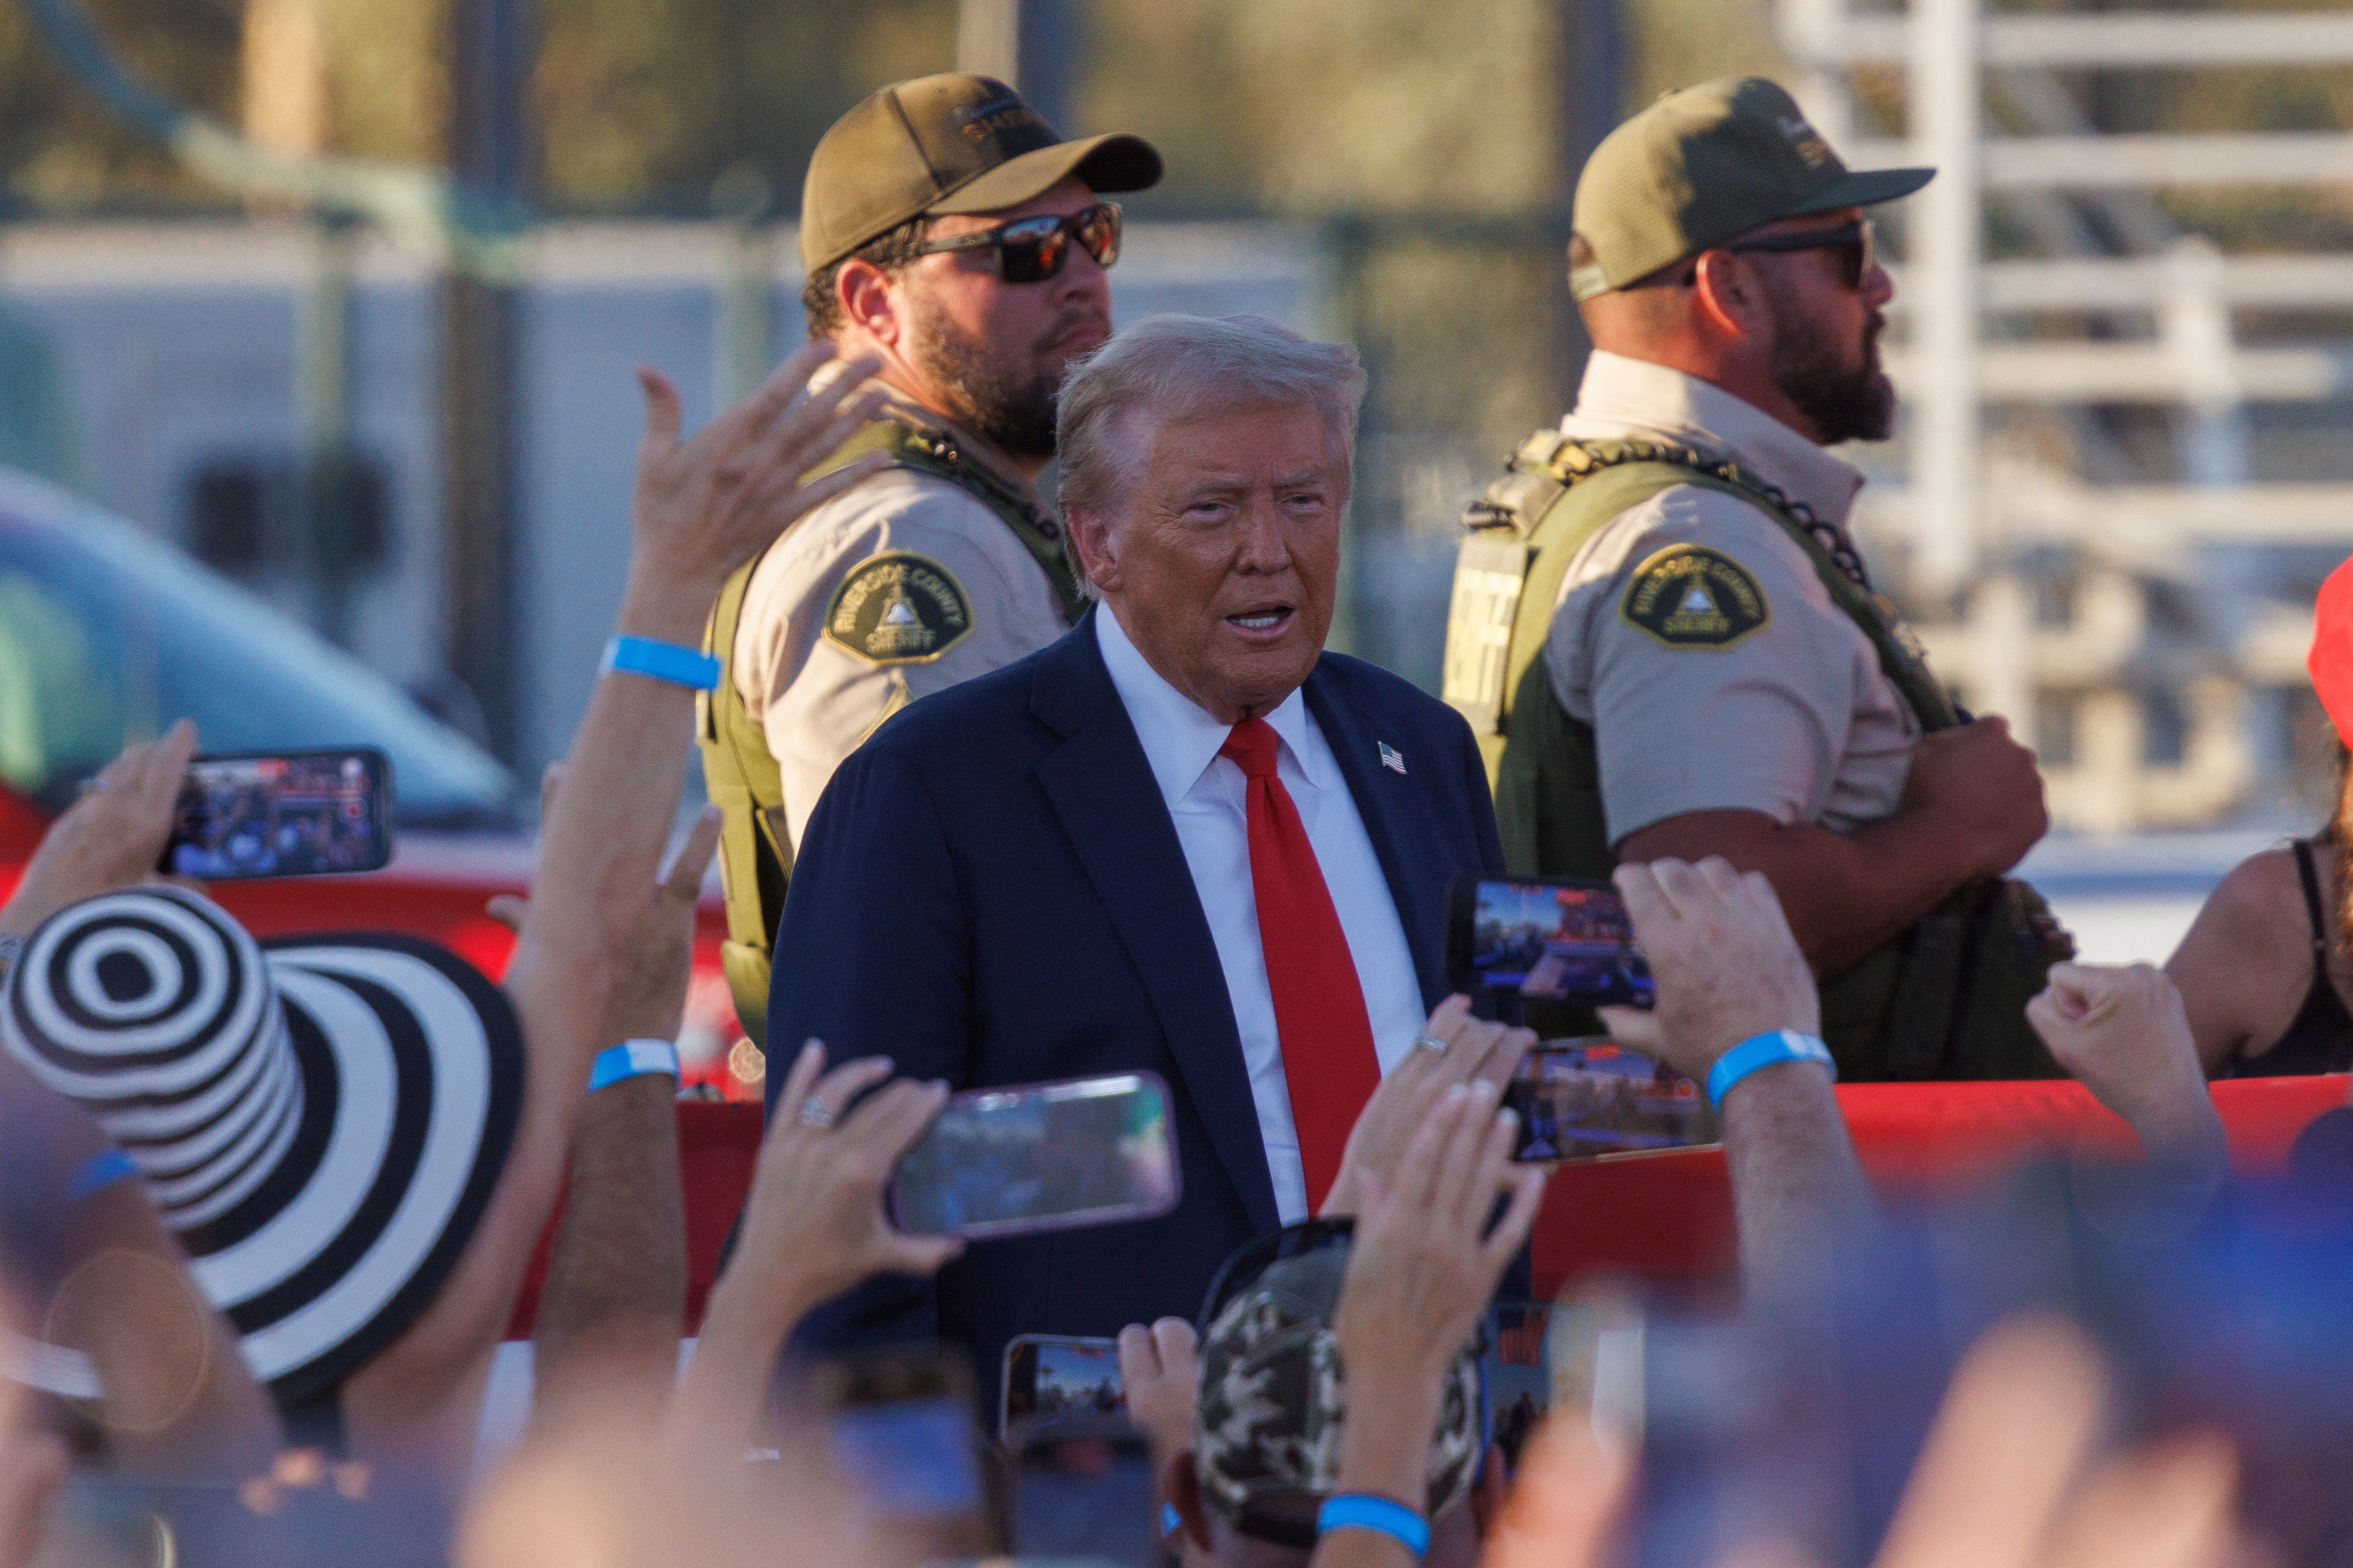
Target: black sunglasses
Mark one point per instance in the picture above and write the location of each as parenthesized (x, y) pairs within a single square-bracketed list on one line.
[(1859, 240), (1032, 249)]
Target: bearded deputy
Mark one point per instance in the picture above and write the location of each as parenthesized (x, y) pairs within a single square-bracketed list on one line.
[(949, 232), (1668, 641)]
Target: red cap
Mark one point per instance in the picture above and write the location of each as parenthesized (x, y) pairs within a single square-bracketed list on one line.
[(2331, 660)]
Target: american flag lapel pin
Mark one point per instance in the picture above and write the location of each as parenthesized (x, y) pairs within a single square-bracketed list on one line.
[(1391, 758)]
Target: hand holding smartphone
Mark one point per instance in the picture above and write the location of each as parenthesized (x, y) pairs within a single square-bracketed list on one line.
[(1050, 1378), (1045, 1156), (281, 813)]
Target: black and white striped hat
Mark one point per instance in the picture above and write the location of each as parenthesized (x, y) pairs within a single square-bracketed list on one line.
[(320, 1126)]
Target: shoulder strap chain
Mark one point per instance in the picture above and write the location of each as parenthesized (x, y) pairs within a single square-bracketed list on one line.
[(1575, 461)]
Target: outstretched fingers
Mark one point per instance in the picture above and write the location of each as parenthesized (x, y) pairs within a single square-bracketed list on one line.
[(1527, 1186), (665, 412), (797, 1084)]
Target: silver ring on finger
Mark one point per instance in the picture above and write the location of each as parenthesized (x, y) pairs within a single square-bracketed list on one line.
[(1426, 1041), (814, 1114)]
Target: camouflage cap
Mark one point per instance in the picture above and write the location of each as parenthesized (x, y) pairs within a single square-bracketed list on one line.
[(1267, 1431), (952, 144), (1705, 165)]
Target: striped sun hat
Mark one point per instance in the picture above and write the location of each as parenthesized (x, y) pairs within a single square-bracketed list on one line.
[(321, 1124)]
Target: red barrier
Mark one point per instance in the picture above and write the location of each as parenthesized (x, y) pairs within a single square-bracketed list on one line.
[(1666, 1215)]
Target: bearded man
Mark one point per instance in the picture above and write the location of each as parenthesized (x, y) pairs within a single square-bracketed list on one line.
[(955, 249), (1667, 641)]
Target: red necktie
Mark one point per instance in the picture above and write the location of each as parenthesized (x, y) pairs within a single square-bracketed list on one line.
[(1319, 1004)]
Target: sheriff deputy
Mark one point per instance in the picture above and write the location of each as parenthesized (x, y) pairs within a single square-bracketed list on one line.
[(947, 230), (1667, 638)]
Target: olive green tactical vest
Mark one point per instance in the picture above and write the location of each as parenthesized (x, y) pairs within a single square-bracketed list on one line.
[(1945, 999), (755, 849)]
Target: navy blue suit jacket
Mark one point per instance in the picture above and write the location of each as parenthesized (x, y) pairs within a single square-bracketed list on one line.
[(991, 892)]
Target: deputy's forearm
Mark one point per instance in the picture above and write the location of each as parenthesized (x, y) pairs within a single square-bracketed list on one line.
[(1796, 1184), (611, 1312), (1844, 894)]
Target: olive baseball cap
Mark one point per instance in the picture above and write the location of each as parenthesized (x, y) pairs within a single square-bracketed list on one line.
[(1707, 164), (952, 144)]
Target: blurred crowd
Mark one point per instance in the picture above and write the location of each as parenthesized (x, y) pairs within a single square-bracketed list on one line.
[(269, 1205)]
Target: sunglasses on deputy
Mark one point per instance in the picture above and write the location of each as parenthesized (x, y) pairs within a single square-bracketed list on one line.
[(1032, 249), (1858, 241)]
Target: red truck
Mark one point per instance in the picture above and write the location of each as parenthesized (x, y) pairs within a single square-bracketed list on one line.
[(107, 636)]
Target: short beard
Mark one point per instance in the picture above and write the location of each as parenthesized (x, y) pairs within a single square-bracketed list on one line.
[(1018, 416), (1845, 401)]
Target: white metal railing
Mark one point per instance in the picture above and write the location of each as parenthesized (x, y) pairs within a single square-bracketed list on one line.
[(2111, 39), (1966, 341)]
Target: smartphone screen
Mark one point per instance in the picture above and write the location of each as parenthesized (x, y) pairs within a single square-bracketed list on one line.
[(292, 814), (903, 1431), (1545, 939), (1049, 1379), (1047, 1156), (1085, 1496), (1592, 1098)]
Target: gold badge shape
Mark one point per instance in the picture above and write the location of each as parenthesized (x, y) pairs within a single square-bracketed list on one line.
[(1688, 596), (899, 608)]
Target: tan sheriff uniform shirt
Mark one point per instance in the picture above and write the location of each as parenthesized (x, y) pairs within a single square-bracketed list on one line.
[(1693, 636), (899, 588)]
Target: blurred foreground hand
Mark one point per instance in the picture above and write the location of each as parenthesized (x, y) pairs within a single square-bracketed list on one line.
[(111, 837), (2009, 1478)]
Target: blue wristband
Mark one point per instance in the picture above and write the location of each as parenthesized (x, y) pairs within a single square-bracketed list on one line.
[(632, 1059), (1171, 1522), (1362, 1510), (1763, 1051), (96, 1173), (687, 667)]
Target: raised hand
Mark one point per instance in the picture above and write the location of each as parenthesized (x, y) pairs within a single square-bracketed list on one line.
[(705, 506), (111, 837), (1722, 955), (2122, 1033), (1469, 1048)]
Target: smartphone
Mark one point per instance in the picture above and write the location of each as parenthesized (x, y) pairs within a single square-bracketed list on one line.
[(1043, 1156), (1545, 939), (1594, 1100), (1084, 1491), (901, 1427), (1048, 1378), (281, 813)]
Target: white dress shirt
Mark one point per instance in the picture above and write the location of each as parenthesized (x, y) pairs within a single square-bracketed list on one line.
[(1207, 801)]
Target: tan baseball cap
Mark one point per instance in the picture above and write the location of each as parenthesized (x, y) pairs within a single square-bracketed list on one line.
[(1707, 164), (952, 144)]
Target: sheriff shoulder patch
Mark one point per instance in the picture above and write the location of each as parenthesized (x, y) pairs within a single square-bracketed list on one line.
[(1688, 596), (899, 608)]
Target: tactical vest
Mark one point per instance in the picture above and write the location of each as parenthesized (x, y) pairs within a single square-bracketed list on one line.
[(1945, 999), (756, 847)]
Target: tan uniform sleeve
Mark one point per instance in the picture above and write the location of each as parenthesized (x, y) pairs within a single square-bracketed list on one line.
[(902, 587), (1717, 674)]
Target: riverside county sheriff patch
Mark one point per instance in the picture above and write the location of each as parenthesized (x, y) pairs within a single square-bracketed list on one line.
[(899, 608), (1688, 596)]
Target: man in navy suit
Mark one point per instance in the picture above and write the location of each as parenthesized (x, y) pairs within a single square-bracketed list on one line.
[(1183, 838)]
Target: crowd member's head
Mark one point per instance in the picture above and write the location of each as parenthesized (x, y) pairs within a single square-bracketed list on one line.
[(948, 230), (2330, 665), (1205, 468), (1272, 1417), (1717, 233)]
